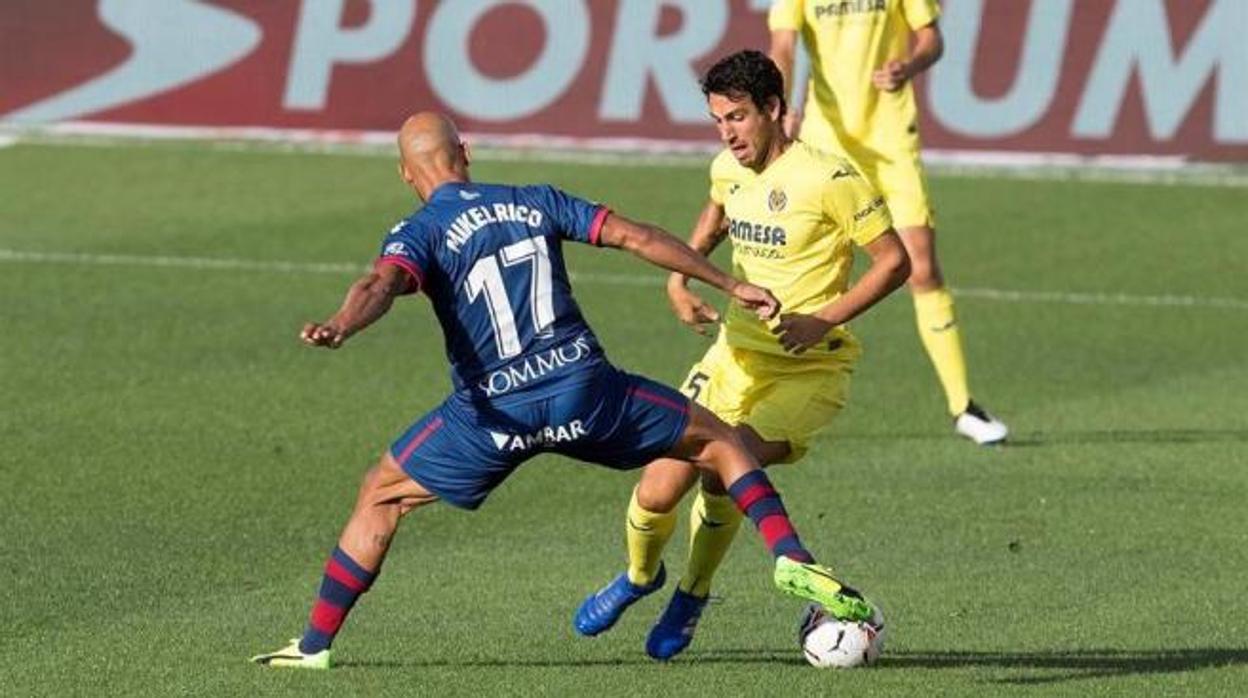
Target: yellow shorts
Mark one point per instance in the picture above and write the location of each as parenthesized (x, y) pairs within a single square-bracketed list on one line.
[(783, 398), (898, 174)]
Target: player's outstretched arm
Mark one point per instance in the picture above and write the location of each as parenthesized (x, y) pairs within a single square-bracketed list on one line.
[(688, 306), (367, 300), (890, 267), (660, 248)]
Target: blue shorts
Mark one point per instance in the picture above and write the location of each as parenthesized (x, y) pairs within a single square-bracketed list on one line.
[(468, 445)]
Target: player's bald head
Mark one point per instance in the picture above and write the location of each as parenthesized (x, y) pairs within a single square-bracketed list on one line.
[(428, 136), (430, 150)]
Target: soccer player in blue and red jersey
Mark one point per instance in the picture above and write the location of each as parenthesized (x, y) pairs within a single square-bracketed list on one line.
[(528, 373)]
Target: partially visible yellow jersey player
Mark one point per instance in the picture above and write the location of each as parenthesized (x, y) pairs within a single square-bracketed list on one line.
[(860, 103), (794, 215)]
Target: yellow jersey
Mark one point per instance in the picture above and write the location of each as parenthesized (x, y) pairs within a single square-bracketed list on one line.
[(847, 41), (793, 227)]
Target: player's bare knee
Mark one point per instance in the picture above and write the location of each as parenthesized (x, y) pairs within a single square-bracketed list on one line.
[(924, 268), (924, 274), (657, 498)]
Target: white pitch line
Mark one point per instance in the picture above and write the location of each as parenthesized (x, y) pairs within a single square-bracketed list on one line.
[(1075, 298), (126, 260), (643, 279), (632, 152)]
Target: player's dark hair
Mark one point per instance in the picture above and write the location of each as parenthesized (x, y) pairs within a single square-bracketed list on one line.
[(744, 73)]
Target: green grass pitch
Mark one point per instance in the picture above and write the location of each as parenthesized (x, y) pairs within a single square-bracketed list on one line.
[(176, 466)]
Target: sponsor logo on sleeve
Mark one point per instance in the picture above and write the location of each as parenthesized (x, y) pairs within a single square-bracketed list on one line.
[(875, 205)]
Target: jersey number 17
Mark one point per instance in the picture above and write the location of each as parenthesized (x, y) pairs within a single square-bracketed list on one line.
[(486, 278)]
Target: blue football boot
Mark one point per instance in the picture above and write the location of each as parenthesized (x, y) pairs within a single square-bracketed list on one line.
[(674, 631), (602, 609)]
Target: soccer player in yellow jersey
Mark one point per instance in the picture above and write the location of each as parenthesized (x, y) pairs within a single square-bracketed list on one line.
[(860, 103), (794, 215)]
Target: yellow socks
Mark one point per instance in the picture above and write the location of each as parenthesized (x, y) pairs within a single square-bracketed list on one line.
[(712, 526), (938, 328), (648, 533)]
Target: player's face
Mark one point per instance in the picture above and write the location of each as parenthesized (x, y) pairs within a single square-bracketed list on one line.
[(746, 130)]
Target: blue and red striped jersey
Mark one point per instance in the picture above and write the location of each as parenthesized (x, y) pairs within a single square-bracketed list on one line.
[(489, 257)]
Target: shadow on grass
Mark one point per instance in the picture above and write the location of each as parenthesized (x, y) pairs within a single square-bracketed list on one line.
[(1102, 436), (1127, 436), (1056, 666), (1029, 667), (742, 657)]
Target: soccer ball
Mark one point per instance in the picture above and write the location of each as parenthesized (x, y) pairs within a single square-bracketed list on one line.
[(828, 642)]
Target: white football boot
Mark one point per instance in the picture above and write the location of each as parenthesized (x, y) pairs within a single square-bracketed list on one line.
[(979, 426), (292, 657)]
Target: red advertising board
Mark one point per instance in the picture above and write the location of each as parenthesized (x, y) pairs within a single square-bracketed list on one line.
[(1116, 77)]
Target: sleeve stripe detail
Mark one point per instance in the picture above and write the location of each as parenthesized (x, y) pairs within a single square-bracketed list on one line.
[(595, 227), (417, 279)]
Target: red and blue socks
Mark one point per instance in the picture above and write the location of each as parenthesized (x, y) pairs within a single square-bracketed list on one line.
[(342, 584), (757, 499)]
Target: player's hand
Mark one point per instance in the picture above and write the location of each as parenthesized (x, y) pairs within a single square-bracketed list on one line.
[(756, 298), (322, 335), (690, 308), (799, 332), (792, 122), (891, 77)]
